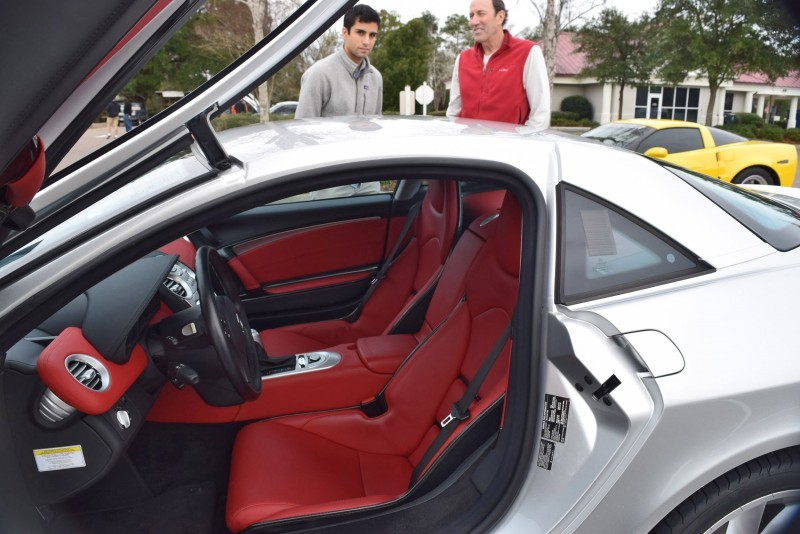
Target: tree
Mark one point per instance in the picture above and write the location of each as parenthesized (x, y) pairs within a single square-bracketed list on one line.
[(559, 15), (285, 84), (177, 65), (616, 50), (453, 37), (721, 39), (403, 59), (263, 14)]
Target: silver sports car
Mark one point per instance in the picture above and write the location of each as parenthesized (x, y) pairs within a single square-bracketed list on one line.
[(368, 324)]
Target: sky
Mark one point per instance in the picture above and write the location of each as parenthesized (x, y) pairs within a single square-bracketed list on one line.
[(521, 13)]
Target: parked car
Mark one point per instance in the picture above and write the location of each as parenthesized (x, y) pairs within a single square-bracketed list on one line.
[(532, 332), (711, 151), (284, 108)]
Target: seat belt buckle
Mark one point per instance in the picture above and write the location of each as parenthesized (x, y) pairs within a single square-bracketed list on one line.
[(455, 414)]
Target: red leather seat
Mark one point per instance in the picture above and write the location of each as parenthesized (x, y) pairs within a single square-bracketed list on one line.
[(337, 460), (410, 277)]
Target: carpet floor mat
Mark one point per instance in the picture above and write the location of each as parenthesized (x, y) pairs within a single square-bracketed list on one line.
[(182, 510)]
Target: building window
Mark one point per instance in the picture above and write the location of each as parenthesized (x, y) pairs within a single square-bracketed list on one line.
[(728, 103), (656, 102)]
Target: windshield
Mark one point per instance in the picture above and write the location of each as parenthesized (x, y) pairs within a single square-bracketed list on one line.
[(624, 135), (776, 223)]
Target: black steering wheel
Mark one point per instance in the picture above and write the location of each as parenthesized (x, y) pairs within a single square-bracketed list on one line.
[(226, 322)]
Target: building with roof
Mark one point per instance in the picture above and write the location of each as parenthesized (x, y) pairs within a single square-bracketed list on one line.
[(687, 101)]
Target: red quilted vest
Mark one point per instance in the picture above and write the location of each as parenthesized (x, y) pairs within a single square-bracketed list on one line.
[(497, 93)]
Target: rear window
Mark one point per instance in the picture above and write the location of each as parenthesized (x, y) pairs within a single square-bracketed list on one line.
[(776, 223), (721, 137), (606, 251)]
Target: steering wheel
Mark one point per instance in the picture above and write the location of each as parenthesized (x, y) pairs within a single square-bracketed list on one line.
[(226, 322)]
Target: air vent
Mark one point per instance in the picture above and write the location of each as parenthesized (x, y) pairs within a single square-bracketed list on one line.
[(178, 286), (89, 372)]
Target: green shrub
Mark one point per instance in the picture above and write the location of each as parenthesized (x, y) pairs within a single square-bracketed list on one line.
[(564, 116), (749, 118), (579, 105), (589, 123), (793, 135), (745, 130), (225, 122), (770, 133)]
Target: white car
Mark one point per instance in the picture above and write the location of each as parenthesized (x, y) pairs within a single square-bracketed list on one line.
[(284, 108), (530, 332)]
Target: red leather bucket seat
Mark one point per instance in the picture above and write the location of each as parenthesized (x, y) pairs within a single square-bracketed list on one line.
[(336, 460), (409, 278)]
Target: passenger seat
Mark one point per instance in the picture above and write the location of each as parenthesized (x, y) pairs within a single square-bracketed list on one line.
[(409, 280)]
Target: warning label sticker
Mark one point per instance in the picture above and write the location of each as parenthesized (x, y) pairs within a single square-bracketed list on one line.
[(555, 418), (57, 458), (546, 451)]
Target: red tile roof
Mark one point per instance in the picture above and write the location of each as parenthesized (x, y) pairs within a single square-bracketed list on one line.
[(570, 63), (792, 80)]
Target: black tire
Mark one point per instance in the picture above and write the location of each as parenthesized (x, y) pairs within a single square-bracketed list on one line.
[(754, 176), (763, 488)]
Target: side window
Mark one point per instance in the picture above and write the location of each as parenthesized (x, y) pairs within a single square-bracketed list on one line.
[(674, 140), (606, 252), (349, 190)]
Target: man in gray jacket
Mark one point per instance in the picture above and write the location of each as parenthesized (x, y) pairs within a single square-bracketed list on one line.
[(345, 83)]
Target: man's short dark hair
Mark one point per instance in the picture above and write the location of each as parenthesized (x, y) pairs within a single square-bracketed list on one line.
[(361, 13), (499, 6)]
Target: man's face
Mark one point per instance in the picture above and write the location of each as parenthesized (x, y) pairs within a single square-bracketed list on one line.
[(483, 21), (360, 40)]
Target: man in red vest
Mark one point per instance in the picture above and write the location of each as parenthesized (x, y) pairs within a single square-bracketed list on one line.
[(501, 78)]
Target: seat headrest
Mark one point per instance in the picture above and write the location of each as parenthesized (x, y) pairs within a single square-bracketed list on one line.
[(508, 235), (435, 195)]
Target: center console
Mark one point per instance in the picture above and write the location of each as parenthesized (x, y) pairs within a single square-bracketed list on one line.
[(300, 363)]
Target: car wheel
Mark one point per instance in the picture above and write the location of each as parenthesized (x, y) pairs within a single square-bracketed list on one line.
[(762, 495), (754, 176)]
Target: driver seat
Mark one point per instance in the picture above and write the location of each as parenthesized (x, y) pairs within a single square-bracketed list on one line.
[(330, 461)]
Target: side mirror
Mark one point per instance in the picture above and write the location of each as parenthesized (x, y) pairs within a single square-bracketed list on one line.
[(656, 152)]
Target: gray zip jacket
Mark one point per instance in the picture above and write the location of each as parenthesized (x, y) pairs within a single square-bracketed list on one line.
[(336, 86)]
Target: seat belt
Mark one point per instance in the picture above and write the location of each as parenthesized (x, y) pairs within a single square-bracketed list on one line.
[(381, 274), (460, 410)]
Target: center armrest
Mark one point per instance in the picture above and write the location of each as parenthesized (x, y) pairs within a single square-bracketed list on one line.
[(384, 354)]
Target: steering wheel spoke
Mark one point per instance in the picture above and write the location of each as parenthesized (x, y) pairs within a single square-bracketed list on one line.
[(226, 322)]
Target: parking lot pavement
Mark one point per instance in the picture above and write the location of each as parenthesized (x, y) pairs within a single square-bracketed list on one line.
[(94, 138)]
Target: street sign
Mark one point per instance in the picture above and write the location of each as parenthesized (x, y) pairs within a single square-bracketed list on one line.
[(424, 95)]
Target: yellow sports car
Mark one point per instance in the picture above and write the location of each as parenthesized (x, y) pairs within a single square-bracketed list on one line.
[(711, 151)]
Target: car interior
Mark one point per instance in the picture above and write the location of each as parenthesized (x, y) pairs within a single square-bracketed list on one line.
[(296, 365)]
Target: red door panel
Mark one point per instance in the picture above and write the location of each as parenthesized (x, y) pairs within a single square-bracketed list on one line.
[(310, 252)]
